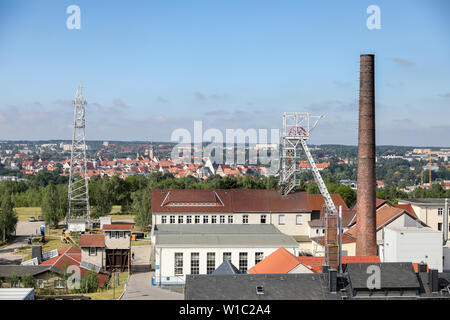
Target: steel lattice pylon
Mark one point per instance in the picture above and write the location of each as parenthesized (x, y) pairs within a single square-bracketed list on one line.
[(78, 194)]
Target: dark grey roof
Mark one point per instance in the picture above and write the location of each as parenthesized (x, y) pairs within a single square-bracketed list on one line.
[(226, 268), (394, 275), (243, 287), (7, 271), (433, 201), (233, 235)]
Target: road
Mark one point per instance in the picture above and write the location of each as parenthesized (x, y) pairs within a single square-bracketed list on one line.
[(23, 230), (140, 288)]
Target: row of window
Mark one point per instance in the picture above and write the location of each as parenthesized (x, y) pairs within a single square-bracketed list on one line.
[(196, 204), (117, 234), (441, 211), (211, 261), (263, 219)]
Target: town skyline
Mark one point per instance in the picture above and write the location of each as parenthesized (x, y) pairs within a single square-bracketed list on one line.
[(225, 65)]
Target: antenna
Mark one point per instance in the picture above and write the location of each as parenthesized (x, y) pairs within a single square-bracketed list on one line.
[(78, 194)]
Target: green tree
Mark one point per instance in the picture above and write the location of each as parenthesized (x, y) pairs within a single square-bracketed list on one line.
[(13, 280), (8, 217), (142, 207), (89, 283), (28, 281), (52, 208), (103, 200)]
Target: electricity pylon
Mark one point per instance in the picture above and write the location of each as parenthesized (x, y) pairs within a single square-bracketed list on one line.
[(78, 194)]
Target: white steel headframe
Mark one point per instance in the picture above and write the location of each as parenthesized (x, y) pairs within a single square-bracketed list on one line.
[(78, 195), (297, 127)]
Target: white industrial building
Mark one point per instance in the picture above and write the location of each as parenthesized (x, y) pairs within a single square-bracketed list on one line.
[(412, 244), (182, 249)]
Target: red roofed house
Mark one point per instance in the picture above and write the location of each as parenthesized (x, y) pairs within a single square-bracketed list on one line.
[(93, 249), (282, 261), (290, 214), (118, 246), (66, 258)]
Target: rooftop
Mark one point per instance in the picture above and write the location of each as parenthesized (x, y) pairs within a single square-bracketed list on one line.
[(307, 286), (251, 235), (92, 240)]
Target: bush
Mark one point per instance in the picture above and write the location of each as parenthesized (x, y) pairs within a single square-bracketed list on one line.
[(89, 283), (28, 281), (13, 280)]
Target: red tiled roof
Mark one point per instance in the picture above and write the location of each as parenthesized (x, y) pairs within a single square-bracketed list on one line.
[(407, 207), (346, 238), (238, 200), (92, 240), (279, 261), (71, 256), (315, 263), (121, 227)]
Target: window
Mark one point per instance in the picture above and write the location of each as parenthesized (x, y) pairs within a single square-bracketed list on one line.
[(440, 211), (298, 219), (245, 219), (121, 234), (59, 284), (189, 219), (205, 219), (163, 219), (197, 219), (259, 256), (172, 219), (178, 263), (243, 262), (92, 251), (195, 263), (259, 289), (230, 219), (440, 226), (210, 262), (281, 219), (263, 218), (227, 256), (317, 231), (213, 219), (222, 219), (180, 219), (41, 283)]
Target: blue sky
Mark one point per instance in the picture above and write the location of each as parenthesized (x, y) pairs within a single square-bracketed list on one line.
[(150, 67)]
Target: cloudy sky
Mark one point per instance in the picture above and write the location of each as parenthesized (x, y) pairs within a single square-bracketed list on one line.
[(150, 67)]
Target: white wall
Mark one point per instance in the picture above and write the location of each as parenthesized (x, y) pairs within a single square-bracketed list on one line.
[(165, 258), (411, 246)]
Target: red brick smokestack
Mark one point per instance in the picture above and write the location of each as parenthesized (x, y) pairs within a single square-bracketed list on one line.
[(366, 242)]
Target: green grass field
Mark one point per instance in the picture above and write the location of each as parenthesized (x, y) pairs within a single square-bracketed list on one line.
[(25, 212), (52, 242)]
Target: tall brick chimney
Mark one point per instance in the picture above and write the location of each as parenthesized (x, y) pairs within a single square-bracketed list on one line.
[(366, 243)]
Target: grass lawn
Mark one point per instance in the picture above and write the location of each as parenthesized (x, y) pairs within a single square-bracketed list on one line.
[(52, 242), (25, 212), (141, 243), (107, 294)]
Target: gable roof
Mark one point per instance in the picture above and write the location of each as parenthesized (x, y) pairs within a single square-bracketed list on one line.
[(237, 200), (71, 256), (92, 240), (279, 261), (8, 270), (226, 267), (306, 286), (118, 227)]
